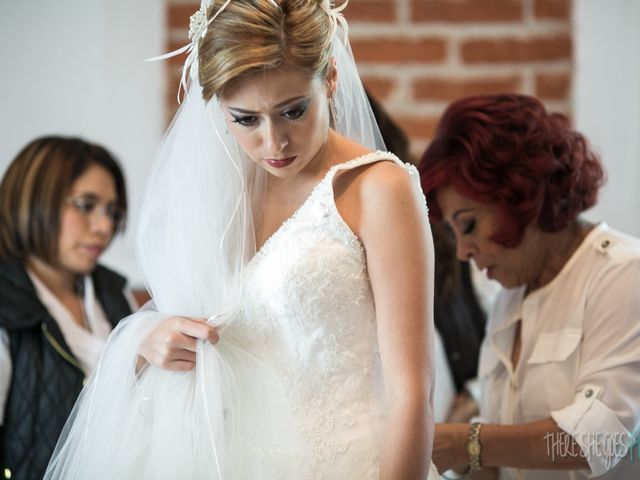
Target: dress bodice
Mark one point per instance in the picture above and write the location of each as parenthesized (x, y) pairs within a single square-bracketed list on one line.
[(309, 286), (309, 311)]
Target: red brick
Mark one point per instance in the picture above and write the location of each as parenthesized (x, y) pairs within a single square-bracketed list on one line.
[(456, 11), (399, 50), (553, 86), (553, 9), (417, 127), (532, 49), (448, 89), (380, 88), (178, 15), (370, 11)]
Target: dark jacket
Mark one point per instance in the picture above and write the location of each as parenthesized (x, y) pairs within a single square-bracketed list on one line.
[(46, 378), (457, 313)]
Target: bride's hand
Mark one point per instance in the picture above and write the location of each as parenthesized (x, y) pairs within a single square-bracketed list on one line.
[(172, 345)]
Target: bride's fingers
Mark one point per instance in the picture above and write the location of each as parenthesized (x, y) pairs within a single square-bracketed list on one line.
[(173, 359), (179, 341), (176, 339), (199, 328), (183, 356), (181, 366)]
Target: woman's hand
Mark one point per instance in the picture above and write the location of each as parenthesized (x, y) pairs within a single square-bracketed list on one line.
[(488, 473), (464, 408), (172, 345)]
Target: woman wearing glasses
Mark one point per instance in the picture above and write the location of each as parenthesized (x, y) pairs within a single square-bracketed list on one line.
[(61, 202)]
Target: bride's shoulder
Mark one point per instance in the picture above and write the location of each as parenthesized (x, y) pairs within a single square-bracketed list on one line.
[(379, 188), (386, 184), (390, 204), (385, 174), (376, 194), (371, 179)]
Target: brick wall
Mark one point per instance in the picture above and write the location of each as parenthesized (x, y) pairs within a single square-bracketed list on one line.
[(418, 55)]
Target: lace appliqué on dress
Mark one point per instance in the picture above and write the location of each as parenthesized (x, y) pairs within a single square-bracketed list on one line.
[(309, 310)]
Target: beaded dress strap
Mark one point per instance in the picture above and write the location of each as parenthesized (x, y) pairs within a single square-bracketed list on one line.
[(363, 160), (372, 158)]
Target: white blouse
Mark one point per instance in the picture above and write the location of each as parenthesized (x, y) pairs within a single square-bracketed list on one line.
[(85, 344), (579, 361)]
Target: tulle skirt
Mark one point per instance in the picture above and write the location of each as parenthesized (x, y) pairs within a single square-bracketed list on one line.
[(226, 419), (229, 418)]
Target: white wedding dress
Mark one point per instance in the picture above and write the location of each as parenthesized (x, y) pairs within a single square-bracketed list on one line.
[(309, 311), (297, 374)]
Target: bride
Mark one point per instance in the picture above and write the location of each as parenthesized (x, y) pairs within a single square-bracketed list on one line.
[(290, 264)]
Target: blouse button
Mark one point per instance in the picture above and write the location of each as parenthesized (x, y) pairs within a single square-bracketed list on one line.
[(605, 244), (588, 393)]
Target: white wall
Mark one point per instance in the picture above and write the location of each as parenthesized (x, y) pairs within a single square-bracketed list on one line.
[(76, 67), (607, 102)]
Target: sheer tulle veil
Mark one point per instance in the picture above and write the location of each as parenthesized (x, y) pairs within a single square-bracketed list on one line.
[(194, 238)]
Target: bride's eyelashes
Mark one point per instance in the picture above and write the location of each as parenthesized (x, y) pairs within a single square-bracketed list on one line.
[(294, 113), (244, 120)]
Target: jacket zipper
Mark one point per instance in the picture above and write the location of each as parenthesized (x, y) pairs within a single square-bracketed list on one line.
[(58, 348)]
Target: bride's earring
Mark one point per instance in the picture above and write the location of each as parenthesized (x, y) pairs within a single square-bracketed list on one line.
[(333, 111)]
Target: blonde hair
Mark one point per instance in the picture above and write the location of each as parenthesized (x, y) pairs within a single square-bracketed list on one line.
[(255, 35)]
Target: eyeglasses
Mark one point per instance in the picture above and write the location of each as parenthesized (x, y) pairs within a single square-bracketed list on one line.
[(89, 206)]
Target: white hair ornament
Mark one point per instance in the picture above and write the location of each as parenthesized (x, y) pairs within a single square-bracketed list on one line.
[(198, 26)]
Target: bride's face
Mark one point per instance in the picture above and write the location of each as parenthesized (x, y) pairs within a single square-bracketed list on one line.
[(280, 118)]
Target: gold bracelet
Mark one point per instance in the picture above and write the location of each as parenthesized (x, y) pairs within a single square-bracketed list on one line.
[(474, 447)]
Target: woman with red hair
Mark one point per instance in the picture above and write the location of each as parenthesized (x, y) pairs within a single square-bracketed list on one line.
[(560, 363)]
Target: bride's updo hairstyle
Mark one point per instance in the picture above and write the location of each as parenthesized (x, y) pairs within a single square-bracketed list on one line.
[(250, 36)]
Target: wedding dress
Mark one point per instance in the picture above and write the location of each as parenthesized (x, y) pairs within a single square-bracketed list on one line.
[(293, 389), (309, 313)]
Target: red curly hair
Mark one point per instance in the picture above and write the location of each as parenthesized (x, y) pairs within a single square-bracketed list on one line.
[(507, 150)]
